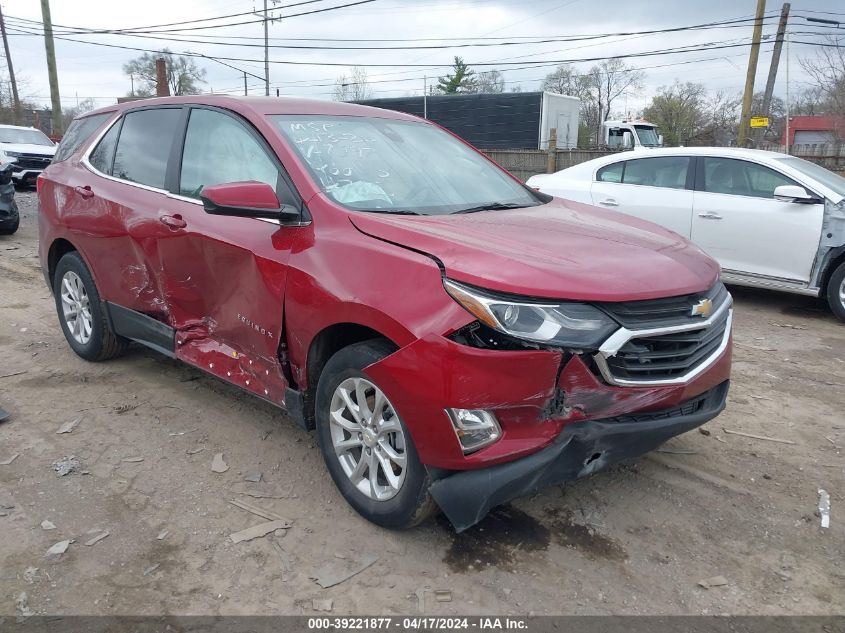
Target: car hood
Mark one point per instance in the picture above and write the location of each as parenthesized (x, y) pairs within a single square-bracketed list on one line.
[(27, 148), (559, 250)]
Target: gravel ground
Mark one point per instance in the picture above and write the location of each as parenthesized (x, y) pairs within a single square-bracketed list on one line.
[(634, 540)]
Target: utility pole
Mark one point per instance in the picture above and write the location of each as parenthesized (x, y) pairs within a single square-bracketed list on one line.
[(245, 92), (50, 49), (15, 100), (266, 53), (747, 96), (786, 141), (773, 68)]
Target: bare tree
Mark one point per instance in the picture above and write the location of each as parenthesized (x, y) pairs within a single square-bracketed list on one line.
[(183, 75), (607, 82), (69, 114), (353, 88), (491, 81), (723, 114), (827, 71), (564, 80)]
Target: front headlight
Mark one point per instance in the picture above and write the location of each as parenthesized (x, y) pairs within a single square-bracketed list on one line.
[(573, 325), (12, 154)]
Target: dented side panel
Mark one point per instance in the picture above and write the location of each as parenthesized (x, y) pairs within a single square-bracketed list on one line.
[(223, 281), (832, 241)]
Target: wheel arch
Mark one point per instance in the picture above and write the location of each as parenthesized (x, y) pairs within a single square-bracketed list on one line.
[(325, 344), (836, 259), (58, 249)]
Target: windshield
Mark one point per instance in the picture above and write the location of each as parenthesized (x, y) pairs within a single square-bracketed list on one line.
[(24, 136), (816, 172), (648, 135), (390, 166)]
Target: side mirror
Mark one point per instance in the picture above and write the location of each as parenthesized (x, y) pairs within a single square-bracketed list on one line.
[(250, 199), (660, 140), (627, 139), (794, 193)]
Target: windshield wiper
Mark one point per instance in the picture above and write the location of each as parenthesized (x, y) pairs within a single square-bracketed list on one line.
[(391, 211), (491, 206)]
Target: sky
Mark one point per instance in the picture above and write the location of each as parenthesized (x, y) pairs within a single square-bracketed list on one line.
[(93, 71)]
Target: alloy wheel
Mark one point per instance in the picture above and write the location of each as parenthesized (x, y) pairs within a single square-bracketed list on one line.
[(368, 439), (76, 308)]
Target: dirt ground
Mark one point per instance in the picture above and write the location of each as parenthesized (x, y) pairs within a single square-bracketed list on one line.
[(634, 540)]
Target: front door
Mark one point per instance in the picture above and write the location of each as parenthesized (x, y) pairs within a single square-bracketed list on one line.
[(224, 277), (737, 220)]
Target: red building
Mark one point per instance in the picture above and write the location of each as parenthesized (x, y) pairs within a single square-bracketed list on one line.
[(805, 130)]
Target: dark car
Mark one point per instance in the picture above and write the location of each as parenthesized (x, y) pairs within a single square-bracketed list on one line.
[(9, 216)]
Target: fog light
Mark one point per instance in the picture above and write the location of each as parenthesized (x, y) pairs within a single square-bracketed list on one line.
[(475, 428)]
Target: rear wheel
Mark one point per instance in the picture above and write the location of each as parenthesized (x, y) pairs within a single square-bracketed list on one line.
[(367, 449), (82, 314), (836, 292)]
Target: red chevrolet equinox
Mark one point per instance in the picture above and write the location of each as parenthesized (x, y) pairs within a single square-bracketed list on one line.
[(456, 339)]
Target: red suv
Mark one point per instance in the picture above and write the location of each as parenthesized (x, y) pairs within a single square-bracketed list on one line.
[(456, 339)]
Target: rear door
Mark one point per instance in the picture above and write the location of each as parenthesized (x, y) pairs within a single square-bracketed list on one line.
[(112, 206), (739, 222), (224, 277), (656, 189)]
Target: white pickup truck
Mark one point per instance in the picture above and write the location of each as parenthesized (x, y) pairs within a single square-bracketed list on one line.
[(29, 149), (771, 220)]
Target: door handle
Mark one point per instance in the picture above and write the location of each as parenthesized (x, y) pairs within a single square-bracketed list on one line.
[(84, 192), (173, 221), (609, 202), (710, 215)]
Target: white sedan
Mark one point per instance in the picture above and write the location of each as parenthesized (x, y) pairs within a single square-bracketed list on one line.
[(771, 220)]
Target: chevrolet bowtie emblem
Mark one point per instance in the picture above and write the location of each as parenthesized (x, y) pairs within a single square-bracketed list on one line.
[(703, 308)]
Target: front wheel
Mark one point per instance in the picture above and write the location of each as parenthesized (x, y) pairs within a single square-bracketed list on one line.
[(836, 292), (367, 449)]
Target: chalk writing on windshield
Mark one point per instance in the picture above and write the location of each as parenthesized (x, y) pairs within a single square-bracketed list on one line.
[(337, 154)]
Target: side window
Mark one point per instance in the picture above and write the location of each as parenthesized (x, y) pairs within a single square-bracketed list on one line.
[(102, 156), (741, 178), (219, 149), (77, 133), (611, 173), (664, 171), (144, 146)]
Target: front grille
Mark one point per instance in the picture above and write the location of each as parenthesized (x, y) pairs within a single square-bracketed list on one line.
[(642, 315), (689, 407), (667, 356), (31, 161)]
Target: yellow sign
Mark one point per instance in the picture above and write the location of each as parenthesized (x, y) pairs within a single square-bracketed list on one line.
[(759, 121)]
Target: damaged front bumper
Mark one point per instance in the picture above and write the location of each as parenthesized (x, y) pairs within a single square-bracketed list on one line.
[(582, 448)]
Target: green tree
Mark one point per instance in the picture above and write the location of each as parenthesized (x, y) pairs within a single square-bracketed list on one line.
[(679, 111), (461, 80), (183, 75)]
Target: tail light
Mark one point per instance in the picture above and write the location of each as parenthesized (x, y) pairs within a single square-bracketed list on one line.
[(39, 183)]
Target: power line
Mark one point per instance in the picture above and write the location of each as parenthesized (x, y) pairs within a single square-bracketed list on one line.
[(579, 38), (534, 64)]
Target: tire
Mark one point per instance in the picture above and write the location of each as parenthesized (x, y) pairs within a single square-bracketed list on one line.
[(9, 228), (101, 343), (403, 506), (836, 292)]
